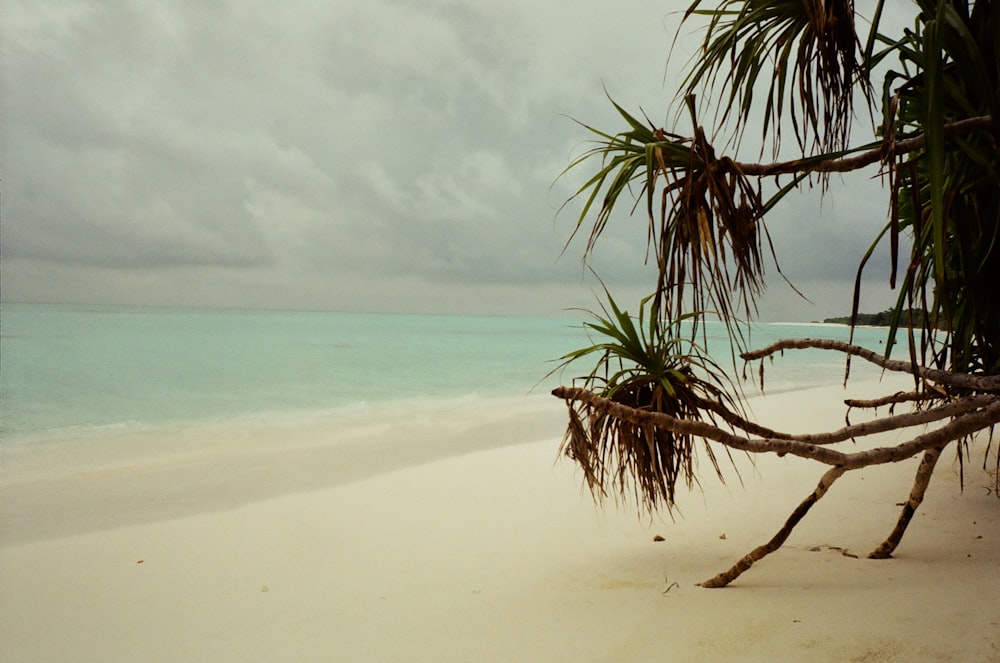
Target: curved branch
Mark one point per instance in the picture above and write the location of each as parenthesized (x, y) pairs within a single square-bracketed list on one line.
[(955, 408), (811, 446), (891, 399), (875, 155), (964, 380), (954, 430), (736, 421)]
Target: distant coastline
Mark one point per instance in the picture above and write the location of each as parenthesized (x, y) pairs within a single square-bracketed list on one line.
[(881, 319)]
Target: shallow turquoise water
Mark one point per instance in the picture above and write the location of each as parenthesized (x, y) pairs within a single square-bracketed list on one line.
[(92, 366)]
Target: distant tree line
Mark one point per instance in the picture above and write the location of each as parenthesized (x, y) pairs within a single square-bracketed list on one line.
[(911, 317)]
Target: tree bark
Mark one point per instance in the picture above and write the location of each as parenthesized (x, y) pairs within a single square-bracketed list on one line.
[(875, 155), (978, 383), (969, 415), (892, 399), (920, 482), (778, 539)]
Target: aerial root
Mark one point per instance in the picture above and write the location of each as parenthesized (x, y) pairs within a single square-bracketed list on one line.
[(778, 539), (924, 471)]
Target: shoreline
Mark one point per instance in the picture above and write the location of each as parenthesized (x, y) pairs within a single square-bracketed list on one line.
[(499, 554), (129, 477), (114, 478)]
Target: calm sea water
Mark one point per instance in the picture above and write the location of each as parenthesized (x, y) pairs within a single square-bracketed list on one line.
[(72, 367)]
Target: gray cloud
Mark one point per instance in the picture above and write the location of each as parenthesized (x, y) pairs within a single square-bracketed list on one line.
[(330, 155)]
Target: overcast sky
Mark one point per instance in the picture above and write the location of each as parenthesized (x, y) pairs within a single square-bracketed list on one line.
[(349, 155)]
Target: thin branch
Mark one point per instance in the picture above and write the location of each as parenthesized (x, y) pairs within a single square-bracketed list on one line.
[(736, 421), (875, 155), (963, 380), (892, 399)]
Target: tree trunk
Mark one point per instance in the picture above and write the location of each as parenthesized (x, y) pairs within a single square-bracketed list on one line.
[(760, 552), (920, 482)]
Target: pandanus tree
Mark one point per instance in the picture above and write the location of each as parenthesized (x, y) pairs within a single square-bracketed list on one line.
[(802, 69)]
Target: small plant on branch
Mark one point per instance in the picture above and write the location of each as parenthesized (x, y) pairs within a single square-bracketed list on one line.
[(643, 366)]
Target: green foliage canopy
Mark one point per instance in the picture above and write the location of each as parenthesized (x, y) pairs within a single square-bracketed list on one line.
[(936, 140)]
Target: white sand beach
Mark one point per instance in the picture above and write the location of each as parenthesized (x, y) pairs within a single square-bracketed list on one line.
[(480, 546)]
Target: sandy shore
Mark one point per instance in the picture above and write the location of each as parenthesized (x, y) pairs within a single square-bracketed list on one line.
[(260, 551)]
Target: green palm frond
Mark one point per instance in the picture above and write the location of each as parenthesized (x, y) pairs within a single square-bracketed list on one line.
[(806, 49), (771, 63), (706, 228), (645, 364), (947, 196)]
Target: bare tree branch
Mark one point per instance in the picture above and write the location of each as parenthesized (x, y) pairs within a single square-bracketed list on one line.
[(737, 421), (812, 445), (875, 155), (968, 415), (892, 399), (961, 380)]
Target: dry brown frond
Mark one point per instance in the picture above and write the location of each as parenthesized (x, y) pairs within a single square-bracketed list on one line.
[(639, 460), (710, 236)]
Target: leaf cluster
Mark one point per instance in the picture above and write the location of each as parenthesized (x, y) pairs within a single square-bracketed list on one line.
[(937, 145), (705, 217), (804, 51), (642, 365), (946, 197)]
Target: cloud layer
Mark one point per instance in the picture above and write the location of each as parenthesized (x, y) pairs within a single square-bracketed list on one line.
[(352, 155)]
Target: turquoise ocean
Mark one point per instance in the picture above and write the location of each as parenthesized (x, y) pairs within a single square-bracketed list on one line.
[(67, 369)]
